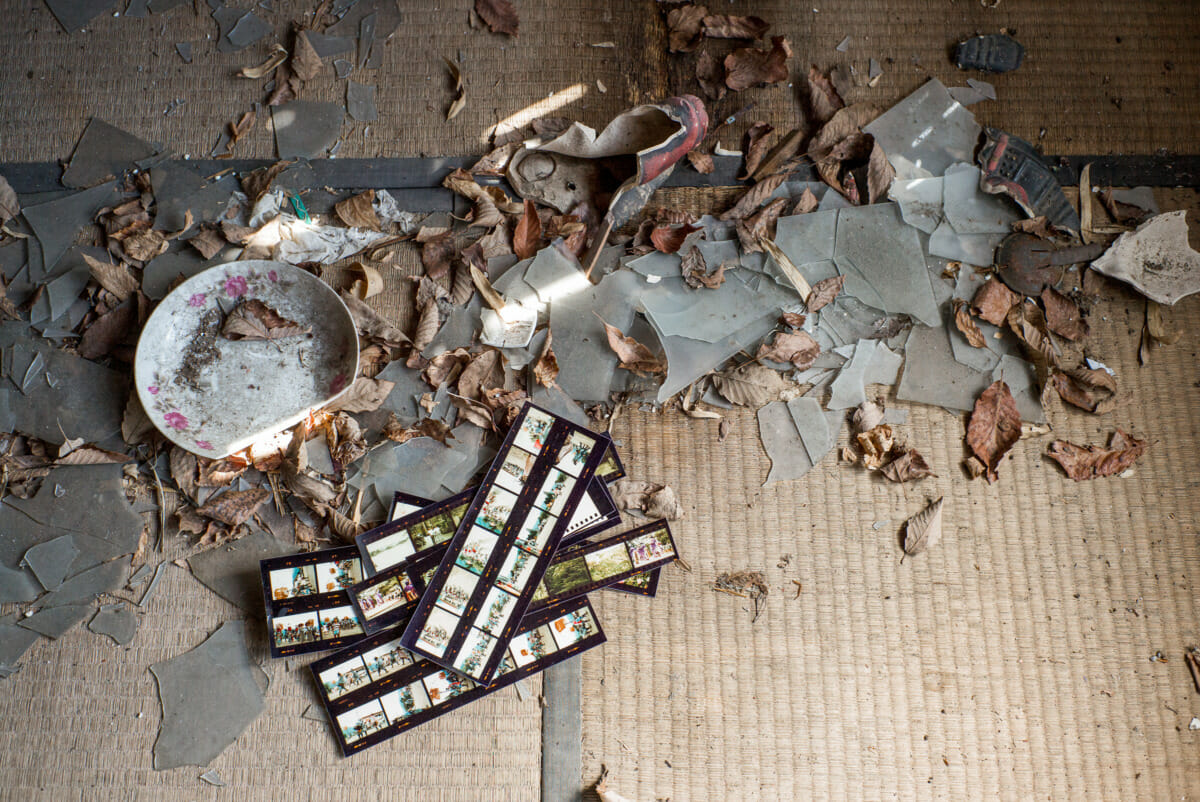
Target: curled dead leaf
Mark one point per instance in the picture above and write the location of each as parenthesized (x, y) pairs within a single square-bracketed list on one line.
[(545, 370), (876, 445), (993, 300), (371, 324), (305, 63), (924, 529), (685, 28), (208, 241), (701, 162), (499, 15), (10, 206), (668, 239), (796, 347), (758, 142), (364, 395), (358, 211), (113, 278), (994, 428), (254, 320), (754, 197), (1063, 316), (426, 427), (823, 98), (1093, 390), (437, 254), (527, 236), (867, 416), (749, 66), (879, 174), (966, 324), (633, 356), (824, 292), (234, 507), (427, 326), (695, 271), (268, 66), (651, 499), (908, 467), (1090, 462), (710, 74), (750, 385), (724, 26)]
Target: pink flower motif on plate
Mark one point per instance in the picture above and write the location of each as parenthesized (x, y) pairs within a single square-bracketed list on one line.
[(271, 274), (198, 299), (235, 286), (338, 384), (152, 389), (176, 420), (207, 446)]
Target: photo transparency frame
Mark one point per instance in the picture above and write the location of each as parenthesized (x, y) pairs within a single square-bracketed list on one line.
[(504, 543), (307, 601), (376, 689)]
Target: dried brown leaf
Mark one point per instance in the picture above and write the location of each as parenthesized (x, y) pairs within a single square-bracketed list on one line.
[(908, 467), (268, 66), (371, 324), (496, 161), (710, 74), (305, 62), (994, 428), (966, 324), (10, 207), (113, 278), (1090, 462), (924, 529), (183, 470), (136, 426), (668, 239), (1063, 316), (750, 385), (499, 15), (758, 144), (807, 202), (218, 472), (427, 427), (145, 245), (482, 371), (796, 347), (724, 26), (633, 355), (108, 331), (527, 236), (792, 319), (92, 455), (234, 507), (754, 197), (685, 28), (823, 98), (879, 174), (824, 292), (1029, 324), (358, 211), (651, 499), (701, 162), (437, 254), (749, 66), (876, 445), (1157, 326), (428, 324), (364, 395), (1093, 390), (781, 157), (867, 416), (208, 241), (754, 229), (695, 271), (462, 288), (545, 370), (993, 300), (254, 320), (256, 183)]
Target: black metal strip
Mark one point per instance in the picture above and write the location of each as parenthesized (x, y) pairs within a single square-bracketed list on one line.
[(1158, 170)]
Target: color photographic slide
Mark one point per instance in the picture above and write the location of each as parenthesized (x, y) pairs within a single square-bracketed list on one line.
[(386, 598), (517, 561), (407, 695), (307, 600), (410, 536), (404, 504), (605, 563)]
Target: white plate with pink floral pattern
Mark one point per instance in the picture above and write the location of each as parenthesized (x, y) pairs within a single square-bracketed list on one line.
[(215, 396)]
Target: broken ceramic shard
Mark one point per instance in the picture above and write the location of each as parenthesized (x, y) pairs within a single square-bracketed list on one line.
[(209, 696), (50, 561), (232, 572), (188, 377), (1158, 258), (306, 128), (926, 132), (116, 621)]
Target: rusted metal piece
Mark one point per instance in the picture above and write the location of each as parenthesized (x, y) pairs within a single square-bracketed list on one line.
[(1027, 263)]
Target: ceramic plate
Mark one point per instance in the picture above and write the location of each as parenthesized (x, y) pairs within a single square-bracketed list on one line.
[(215, 396)]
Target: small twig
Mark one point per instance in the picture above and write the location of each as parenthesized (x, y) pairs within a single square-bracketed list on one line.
[(162, 508)]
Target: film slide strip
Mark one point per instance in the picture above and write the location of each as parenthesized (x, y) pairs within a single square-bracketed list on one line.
[(504, 543), (375, 689), (387, 598), (308, 606), (413, 535)]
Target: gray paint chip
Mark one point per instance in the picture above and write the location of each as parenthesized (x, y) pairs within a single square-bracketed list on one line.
[(360, 101), (306, 128), (116, 621), (56, 621), (50, 561)]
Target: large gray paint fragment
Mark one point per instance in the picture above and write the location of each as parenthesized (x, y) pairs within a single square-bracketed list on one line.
[(933, 376), (14, 641), (306, 128), (926, 132), (103, 152), (887, 254), (232, 571), (586, 363), (56, 223), (116, 621), (209, 696), (86, 586), (51, 561), (54, 622)]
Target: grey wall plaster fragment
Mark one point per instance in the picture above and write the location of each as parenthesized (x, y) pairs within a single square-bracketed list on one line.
[(360, 101), (85, 586), (163, 6), (558, 402), (232, 571), (56, 223), (974, 249), (812, 425), (342, 68), (807, 237), (73, 15), (554, 275), (209, 696), (327, 46), (969, 209), (657, 264), (179, 189), (781, 440), (14, 640), (14, 256), (832, 201), (56, 621), (306, 128), (158, 572), (1141, 197), (966, 95), (137, 9), (366, 42), (884, 367), (140, 575), (50, 561), (103, 153), (17, 585), (116, 621), (459, 330), (982, 87), (319, 458), (64, 291), (932, 376), (920, 201), (518, 358), (847, 389), (926, 132), (184, 49), (211, 777), (586, 363), (245, 32), (982, 359), (888, 255)]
